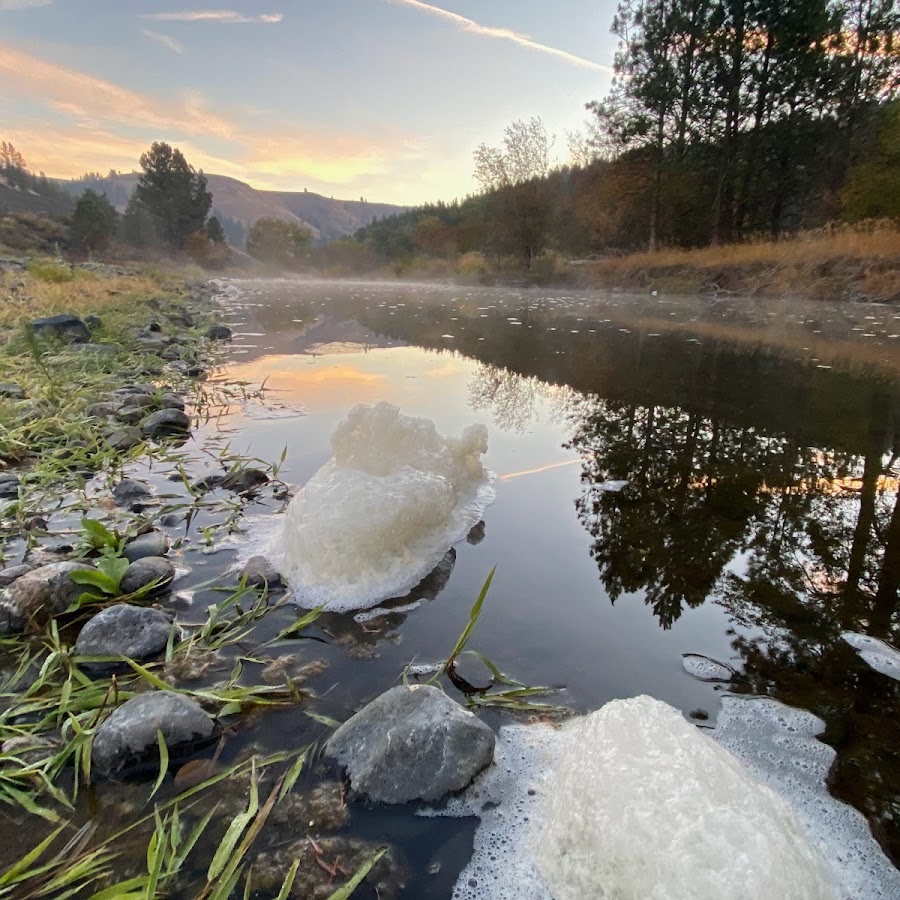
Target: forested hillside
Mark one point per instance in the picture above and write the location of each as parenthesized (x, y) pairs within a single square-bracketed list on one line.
[(726, 122)]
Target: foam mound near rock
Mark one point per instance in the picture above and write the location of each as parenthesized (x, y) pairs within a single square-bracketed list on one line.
[(633, 802), (380, 515), (643, 804)]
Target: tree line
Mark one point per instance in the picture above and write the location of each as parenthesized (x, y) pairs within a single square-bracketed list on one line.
[(725, 121)]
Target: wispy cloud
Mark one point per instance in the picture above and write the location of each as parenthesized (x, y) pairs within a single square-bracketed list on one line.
[(503, 34), (216, 16), (15, 5), (164, 39), (86, 122)]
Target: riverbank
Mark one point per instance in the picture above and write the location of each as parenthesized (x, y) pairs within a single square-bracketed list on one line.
[(857, 266)]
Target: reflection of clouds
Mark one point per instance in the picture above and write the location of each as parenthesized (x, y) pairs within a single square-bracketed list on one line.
[(516, 401)]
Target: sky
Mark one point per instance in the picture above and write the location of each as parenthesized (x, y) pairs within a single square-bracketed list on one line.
[(382, 99)]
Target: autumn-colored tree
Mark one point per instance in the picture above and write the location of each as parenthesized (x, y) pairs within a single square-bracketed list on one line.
[(278, 242)]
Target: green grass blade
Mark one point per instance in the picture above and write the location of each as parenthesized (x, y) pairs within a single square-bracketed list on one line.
[(347, 890)]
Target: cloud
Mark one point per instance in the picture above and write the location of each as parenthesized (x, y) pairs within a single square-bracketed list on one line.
[(89, 123), (504, 34), (164, 39), (16, 5), (217, 16)]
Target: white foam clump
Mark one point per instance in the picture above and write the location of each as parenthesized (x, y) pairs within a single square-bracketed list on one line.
[(382, 513), (634, 802), (880, 656)]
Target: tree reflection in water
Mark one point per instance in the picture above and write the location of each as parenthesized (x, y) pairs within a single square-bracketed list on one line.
[(798, 544)]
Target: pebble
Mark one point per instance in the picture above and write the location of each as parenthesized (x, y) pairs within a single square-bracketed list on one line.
[(144, 571)]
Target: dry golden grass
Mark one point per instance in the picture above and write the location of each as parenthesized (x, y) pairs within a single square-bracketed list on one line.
[(882, 243), (24, 296)]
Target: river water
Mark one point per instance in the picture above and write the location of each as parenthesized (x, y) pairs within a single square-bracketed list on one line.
[(758, 524)]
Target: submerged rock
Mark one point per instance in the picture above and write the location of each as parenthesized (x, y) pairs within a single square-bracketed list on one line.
[(245, 480), (259, 572), (38, 595), (129, 734), (124, 630), (129, 491), (412, 743), (166, 422), (143, 572), (154, 543), (65, 327)]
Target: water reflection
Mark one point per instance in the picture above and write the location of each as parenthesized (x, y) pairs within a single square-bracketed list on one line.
[(760, 447)]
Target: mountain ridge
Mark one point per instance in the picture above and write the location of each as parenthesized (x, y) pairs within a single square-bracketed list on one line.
[(238, 205)]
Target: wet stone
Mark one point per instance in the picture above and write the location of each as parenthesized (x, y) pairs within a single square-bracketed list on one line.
[(245, 480), (11, 391), (102, 410), (11, 573), (259, 572), (166, 422), (124, 630), (128, 491), (129, 734), (39, 595), (9, 485), (171, 520), (131, 415), (171, 401), (144, 572), (64, 327), (152, 544), (218, 333), (412, 743), (125, 438)]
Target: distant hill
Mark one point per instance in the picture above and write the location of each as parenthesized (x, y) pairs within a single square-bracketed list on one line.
[(238, 205), (34, 195)]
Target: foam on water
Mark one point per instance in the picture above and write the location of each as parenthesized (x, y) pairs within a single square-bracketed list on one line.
[(382, 513), (705, 669), (882, 657), (635, 802)]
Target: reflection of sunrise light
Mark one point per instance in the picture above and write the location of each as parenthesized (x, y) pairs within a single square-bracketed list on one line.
[(538, 469)]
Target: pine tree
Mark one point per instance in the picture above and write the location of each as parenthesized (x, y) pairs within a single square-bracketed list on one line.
[(93, 222), (173, 194), (214, 231)]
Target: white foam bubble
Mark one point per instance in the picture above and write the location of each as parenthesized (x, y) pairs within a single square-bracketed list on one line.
[(635, 802), (705, 669), (882, 657), (382, 513)]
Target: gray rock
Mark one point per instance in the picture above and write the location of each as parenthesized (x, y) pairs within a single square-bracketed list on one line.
[(65, 327), (219, 333), (11, 573), (122, 630), (165, 422), (11, 391), (259, 572), (171, 520), (93, 322), (128, 491), (171, 401), (154, 543), (142, 400), (125, 438), (131, 415), (143, 572), (39, 595), (129, 734), (9, 485), (102, 410), (245, 480), (412, 743)]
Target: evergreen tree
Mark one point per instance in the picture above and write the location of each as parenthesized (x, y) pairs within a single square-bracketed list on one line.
[(93, 222), (214, 231), (138, 227), (277, 241), (173, 194)]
